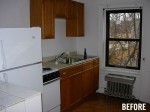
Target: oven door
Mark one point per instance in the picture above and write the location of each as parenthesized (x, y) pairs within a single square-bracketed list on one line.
[(51, 96)]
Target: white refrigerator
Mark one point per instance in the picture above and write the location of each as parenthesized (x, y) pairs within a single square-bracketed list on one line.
[(21, 57)]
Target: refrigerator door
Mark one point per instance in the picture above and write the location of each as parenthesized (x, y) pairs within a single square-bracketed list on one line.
[(19, 47), (1, 56), (29, 77)]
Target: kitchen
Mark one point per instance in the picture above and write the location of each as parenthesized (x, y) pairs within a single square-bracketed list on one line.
[(17, 14)]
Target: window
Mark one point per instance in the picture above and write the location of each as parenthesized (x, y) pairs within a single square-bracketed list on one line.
[(123, 38)]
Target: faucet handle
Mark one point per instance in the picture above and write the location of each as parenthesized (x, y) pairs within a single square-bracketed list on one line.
[(56, 58)]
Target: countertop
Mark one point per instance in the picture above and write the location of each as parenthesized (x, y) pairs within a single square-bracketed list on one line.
[(52, 64), (7, 100), (11, 94)]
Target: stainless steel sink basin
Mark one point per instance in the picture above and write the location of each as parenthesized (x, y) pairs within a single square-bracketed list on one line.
[(70, 60), (73, 60)]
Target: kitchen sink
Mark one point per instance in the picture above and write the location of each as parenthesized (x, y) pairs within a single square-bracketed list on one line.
[(69, 61), (73, 60)]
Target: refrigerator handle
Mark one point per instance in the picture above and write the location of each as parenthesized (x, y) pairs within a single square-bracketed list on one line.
[(4, 79), (3, 55)]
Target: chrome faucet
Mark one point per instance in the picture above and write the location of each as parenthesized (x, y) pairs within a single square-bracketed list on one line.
[(57, 58)]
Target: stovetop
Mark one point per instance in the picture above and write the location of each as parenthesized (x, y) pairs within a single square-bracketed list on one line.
[(50, 74), (47, 70)]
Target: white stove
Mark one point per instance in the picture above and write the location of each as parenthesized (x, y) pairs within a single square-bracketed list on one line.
[(48, 70), (51, 91)]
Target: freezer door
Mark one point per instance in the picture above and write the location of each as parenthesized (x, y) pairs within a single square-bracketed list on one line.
[(21, 46), (29, 77)]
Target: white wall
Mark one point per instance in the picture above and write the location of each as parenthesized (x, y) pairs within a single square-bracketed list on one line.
[(61, 43), (90, 41), (16, 13), (145, 72)]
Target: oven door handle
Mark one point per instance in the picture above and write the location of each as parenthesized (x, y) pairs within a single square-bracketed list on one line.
[(48, 82)]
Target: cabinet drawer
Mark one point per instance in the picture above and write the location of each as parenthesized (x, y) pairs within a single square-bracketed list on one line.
[(88, 64), (96, 62), (66, 72)]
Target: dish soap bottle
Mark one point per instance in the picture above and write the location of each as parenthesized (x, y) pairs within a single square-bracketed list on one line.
[(85, 54)]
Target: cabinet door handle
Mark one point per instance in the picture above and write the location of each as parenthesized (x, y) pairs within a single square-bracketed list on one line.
[(64, 73)]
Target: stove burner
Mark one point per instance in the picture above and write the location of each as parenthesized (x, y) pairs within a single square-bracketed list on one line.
[(47, 69)]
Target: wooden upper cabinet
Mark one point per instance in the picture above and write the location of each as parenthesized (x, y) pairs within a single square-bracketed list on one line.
[(35, 13), (48, 18), (60, 8), (80, 18), (44, 12), (71, 10), (42, 15), (75, 26)]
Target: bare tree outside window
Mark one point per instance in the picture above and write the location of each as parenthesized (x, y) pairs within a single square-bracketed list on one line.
[(123, 38)]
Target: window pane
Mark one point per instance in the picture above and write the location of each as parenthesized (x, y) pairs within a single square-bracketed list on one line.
[(124, 25), (123, 53)]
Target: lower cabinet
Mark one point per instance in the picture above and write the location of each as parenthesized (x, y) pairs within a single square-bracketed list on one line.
[(95, 78), (96, 74), (71, 90), (87, 82), (76, 88), (65, 89), (78, 82)]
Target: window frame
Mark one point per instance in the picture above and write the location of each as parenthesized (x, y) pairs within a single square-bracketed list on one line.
[(108, 12)]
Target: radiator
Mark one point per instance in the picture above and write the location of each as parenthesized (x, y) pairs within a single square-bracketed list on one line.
[(119, 86)]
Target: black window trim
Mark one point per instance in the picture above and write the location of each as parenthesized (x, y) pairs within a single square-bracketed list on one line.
[(108, 12)]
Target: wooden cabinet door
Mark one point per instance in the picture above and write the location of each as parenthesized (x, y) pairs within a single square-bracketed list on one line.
[(96, 74), (65, 90), (71, 10), (36, 13), (76, 88), (87, 82), (95, 78), (75, 26), (42, 15), (48, 19), (80, 16), (61, 8)]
